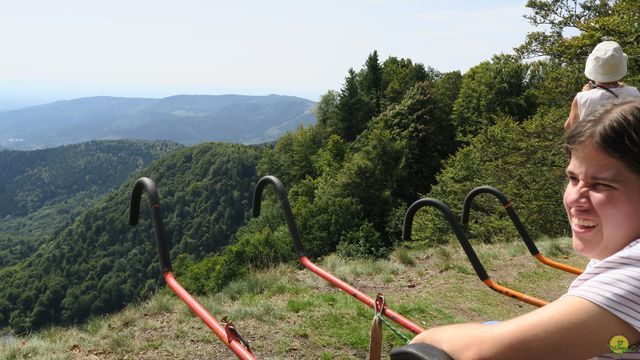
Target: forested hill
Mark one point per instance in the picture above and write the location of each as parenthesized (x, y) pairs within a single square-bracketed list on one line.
[(32, 179), (187, 119), (99, 263), (41, 190)]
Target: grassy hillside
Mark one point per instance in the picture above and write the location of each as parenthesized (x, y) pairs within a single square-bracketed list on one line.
[(289, 313)]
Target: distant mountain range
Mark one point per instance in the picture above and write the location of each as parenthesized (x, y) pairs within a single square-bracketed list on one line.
[(187, 119)]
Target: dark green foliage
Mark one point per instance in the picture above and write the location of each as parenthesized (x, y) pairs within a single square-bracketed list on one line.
[(44, 190), (362, 242), (99, 263), (352, 110), (371, 85), (15, 248), (555, 85), (526, 162), (491, 90), (446, 88), (369, 175), (398, 76), (33, 179), (326, 110), (324, 214), (292, 158), (420, 124)]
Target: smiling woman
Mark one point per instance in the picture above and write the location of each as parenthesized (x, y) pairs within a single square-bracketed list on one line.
[(602, 197), (600, 314)]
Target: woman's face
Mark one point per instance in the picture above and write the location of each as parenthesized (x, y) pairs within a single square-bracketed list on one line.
[(602, 200)]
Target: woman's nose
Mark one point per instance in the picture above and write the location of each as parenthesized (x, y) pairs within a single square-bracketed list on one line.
[(575, 195)]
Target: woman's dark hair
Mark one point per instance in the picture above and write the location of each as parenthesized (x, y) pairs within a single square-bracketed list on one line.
[(614, 129)]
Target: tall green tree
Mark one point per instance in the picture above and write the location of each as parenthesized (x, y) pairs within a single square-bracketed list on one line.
[(352, 115), (292, 158), (559, 17), (420, 125), (495, 88), (371, 85), (572, 28), (326, 109), (400, 75), (525, 161)]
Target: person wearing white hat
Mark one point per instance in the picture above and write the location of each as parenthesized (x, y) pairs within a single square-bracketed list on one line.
[(605, 67)]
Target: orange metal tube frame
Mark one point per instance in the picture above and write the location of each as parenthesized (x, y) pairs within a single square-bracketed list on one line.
[(466, 246), (514, 294), (557, 265)]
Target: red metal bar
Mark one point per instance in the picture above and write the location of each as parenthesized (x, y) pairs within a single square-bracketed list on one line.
[(557, 265), (364, 298), (297, 245), (232, 341)]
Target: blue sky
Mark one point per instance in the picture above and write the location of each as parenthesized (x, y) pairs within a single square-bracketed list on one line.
[(65, 49)]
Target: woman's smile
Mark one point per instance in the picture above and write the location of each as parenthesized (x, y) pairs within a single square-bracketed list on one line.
[(602, 200)]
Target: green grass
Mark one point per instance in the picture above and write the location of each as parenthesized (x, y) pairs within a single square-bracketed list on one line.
[(403, 256), (290, 313)]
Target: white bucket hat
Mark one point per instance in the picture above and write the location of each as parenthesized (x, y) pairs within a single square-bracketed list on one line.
[(606, 62)]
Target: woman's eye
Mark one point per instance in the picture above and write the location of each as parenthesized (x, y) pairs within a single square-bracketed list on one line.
[(601, 186)]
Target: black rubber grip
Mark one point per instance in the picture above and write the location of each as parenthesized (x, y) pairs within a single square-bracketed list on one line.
[(455, 225), (286, 208), (419, 351), (515, 219), (146, 184)]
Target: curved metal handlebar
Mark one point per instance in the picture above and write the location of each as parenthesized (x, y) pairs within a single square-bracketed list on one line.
[(295, 236), (515, 219), (457, 230), (146, 184), (286, 208), (524, 234), (227, 333), (466, 246)]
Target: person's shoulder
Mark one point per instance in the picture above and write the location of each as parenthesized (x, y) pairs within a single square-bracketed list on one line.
[(587, 94), (588, 86), (631, 250), (628, 257), (628, 88), (633, 246)]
